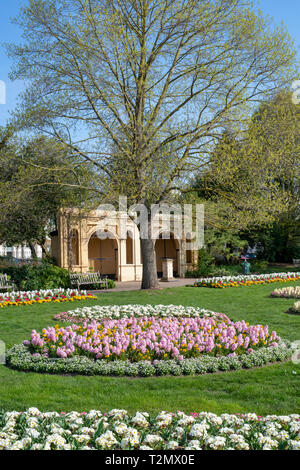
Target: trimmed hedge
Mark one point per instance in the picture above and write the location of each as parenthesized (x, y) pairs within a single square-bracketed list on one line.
[(19, 357)]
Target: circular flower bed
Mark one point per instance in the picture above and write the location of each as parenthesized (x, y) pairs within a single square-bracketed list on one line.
[(100, 312), (40, 297), (150, 338), (287, 292), (117, 430), (246, 281), (149, 345)]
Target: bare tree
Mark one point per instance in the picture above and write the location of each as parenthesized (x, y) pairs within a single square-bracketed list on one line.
[(143, 88)]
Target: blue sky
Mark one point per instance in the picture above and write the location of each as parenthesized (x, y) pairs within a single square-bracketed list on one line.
[(287, 11)]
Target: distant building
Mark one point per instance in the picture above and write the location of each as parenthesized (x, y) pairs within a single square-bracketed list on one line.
[(89, 244), (21, 252)]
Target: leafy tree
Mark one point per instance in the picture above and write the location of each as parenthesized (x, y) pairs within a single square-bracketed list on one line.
[(142, 88), (260, 169), (275, 134), (36, 179)]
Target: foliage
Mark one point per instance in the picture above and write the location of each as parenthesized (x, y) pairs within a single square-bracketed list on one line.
[(260, 266), (19, 357), (275, 242), (38, 276), (259, 169), (111, 284), (267, 390), (37, 178), (205, 261), (152, 85)]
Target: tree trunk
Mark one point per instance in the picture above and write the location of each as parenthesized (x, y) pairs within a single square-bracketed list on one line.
[(33, 250), (44, 251), (150, 280)]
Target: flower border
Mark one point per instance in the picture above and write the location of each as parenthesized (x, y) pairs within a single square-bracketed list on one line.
[(18, 299), (119, 430), (115, 312), (18, 357), (286, 293), (246, 281)]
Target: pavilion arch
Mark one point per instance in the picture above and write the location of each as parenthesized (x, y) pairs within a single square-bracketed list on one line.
[(129, 247), (120, 256), (74, 239), (167, 248), (103, 253)]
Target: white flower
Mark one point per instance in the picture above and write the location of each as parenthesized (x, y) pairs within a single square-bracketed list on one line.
[(152, 439), (216, 442), (267, 442), (33, 412), (106, 440), (132, 438), (117, 414), (120, 428), (4, 443), (37, 447), (21, 444), (33, 433), (55, 441), (186, 421), (86, 430), (164, 419), (140, 420), (226, 431), (193, 445), (199, 430), (82, 438), (32, 423), (294, 445), (267, 433), (94, 414), (172, 445)]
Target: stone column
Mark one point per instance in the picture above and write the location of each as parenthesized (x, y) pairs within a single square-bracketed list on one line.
[(122, 258), (168, 269)]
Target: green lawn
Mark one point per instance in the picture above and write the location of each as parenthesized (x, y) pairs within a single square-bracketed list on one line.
[(270, 390)]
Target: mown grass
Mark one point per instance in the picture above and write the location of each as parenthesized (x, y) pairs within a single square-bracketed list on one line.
[(271, 389)]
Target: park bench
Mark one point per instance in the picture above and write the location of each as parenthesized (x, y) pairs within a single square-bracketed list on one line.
[(5, 283), (296, 262), (80, 279)]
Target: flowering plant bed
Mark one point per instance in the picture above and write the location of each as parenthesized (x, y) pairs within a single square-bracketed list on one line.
[(20, 358), (100, 312), (43, 296), (117, 430), (150, 338), (199, 342), (287, 292), (246, 281), (295, 308)]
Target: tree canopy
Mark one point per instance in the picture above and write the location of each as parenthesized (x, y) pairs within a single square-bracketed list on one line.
[(252, 182), (36, 179), (142, 89)]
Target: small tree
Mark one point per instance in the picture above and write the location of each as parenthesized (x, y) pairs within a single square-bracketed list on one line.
[(36, 179), (146, 84), (251, 184)]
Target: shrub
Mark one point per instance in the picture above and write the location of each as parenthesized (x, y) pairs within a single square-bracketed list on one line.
[(38, 276), (259, 266), (110, 283)]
